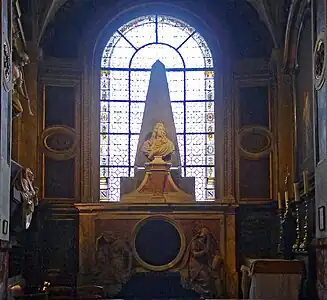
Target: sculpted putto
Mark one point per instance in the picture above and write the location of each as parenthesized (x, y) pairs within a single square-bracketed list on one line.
[(158, 144)]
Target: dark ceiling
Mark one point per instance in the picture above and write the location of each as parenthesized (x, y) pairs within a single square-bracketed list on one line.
[(250, 37)]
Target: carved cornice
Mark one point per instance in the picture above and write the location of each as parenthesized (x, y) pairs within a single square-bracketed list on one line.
[(61, 71), (209, 207)]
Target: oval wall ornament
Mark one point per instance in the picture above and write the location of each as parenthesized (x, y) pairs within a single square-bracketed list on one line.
[(59, 142), (255, 141), (319, 60)]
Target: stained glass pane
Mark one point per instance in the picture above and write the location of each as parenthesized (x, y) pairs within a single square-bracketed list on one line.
[(137, 22), (205, 49), (176, 85), (114, 182), (137, 110), (192, 54), (178, 113), (195, 82), (118, 153), (196, 116), (196, 149), (139, 85), (209, 85), (148, 55), (126, 64), (107, 52), (134, 141), (118, 85), (121, 54), (200, 181), (118, 117), (210, 117), (170, 33), (180, 141), (142, 35)]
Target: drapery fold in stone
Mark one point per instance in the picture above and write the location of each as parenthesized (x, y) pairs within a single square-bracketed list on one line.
[(157, 110)]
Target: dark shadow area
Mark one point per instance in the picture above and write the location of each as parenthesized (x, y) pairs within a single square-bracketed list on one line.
[(163, 285)]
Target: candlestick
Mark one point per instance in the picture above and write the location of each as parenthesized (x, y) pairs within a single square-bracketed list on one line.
[(280, 201), (305, 182), (286, 198), (296, 192), (298, 230)]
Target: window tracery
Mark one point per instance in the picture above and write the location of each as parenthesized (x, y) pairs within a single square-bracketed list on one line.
[(125, 72)]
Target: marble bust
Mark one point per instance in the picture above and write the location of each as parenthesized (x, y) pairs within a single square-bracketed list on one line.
[(158, 144)]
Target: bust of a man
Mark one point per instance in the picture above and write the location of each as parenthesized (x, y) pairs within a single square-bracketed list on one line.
[(158, 144)]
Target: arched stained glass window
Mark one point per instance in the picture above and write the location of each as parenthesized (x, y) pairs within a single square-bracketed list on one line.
[(125, 72)]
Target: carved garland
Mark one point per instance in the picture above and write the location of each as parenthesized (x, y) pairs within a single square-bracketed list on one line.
[(319, 60), (7, 65)]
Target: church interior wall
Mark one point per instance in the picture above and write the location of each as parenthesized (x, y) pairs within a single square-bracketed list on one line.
[(255, 97), (319, 15)]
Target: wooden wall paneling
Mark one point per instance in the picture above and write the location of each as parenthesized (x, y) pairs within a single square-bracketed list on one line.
[(60, 253), (253, 111), (284, 135), (61, 106)]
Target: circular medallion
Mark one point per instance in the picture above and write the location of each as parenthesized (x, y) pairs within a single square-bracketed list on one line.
[(319, 57), (7, 65), (158, 244), (59, 142), (255, 141)]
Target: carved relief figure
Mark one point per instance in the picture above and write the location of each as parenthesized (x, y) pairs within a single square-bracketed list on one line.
[(158, 144), (29, 194), (20, 60), (113, 262), (202, 269)]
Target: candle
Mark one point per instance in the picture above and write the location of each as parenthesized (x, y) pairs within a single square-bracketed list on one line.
[(296, 192), (286, 198), (280, 203), (305, 182)]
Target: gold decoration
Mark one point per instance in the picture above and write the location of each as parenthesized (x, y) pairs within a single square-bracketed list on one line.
[(20, 60), (59, 142), (157, 186), (158, 144), (180, 254), (202, 269)]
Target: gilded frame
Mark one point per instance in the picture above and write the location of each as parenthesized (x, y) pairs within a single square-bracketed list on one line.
[(169, 265)]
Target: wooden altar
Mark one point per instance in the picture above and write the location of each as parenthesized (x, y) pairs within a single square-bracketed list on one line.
[(120, 222)]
